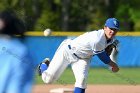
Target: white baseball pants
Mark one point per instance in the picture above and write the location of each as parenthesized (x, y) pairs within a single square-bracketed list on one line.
[(62, 58)]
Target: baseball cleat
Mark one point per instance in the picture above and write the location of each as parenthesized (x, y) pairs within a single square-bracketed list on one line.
[(43, 66)]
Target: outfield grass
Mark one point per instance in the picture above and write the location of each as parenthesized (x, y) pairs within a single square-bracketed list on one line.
[(101, 76)]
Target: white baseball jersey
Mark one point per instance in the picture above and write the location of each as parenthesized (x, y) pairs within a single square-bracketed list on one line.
[(89, 44)]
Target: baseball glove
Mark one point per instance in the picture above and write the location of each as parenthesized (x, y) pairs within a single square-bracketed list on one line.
[(46, 61), (110, 47)]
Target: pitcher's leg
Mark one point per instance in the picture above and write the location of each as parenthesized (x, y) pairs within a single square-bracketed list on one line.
[(56, 67), (80, 70)]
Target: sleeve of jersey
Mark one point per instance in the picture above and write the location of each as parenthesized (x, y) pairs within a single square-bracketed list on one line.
[(97, 46), (104, 57)]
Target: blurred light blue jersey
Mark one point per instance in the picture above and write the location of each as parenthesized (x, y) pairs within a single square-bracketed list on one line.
[(16, 67)]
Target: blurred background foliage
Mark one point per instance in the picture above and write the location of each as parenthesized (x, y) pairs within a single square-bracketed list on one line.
[(75, 15)]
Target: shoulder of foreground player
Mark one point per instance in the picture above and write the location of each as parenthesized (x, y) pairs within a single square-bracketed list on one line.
[(16, 47)]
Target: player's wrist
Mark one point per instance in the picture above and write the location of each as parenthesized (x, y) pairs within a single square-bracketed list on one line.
[(114, 66)]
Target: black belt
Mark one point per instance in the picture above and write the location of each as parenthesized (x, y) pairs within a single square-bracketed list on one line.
[(69, 46)]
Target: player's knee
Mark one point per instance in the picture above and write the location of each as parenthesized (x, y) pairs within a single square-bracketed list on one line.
[(47, 78), (81, 83), (47, 81)]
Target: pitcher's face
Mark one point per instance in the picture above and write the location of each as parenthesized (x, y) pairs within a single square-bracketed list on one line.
[(110, 32)]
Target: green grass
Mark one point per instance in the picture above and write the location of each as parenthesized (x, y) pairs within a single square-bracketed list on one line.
[(101, 76)]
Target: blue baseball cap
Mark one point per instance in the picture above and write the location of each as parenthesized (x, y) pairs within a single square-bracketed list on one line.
[(112, 23)]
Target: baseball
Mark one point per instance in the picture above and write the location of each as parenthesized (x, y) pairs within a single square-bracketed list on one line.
[(47, 32)]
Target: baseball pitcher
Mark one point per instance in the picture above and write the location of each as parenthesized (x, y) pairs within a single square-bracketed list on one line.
[(78, 53)]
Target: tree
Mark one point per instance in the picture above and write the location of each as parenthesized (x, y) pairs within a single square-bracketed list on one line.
[(74, 15)]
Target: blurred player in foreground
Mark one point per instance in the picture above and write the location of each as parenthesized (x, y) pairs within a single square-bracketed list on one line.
[(16, 73), (79, 51)]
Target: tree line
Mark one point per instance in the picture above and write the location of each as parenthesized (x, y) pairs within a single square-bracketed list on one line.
[(74, 15)]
